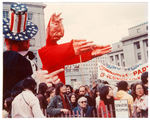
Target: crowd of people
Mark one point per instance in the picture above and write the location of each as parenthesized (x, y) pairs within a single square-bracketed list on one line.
[(61, 100)]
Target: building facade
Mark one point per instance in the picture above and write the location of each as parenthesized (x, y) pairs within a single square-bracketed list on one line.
[(36, 15), (132, 49), (84, 73)]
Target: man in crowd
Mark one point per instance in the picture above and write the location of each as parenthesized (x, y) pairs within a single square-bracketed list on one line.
[(83, 109), (60, 104), (83, 92)]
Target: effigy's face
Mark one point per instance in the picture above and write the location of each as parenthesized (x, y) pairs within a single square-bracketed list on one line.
[(56, 29)]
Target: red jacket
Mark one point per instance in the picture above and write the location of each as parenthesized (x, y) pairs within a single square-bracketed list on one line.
[(102, 107), (54, 57)]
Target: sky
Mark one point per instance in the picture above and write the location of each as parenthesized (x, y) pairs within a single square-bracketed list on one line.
[(102, 23)]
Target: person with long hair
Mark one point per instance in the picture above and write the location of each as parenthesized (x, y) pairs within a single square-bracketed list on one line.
[(69, 89), (144, 80), (73, 100), (50, 93), (106, 100), (6, 113), (140, 101), (42, 96), (60, 104)]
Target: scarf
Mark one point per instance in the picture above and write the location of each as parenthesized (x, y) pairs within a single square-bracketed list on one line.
[(65, 101)]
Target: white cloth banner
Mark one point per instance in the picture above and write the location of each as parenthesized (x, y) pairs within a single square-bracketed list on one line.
[(115, 74)]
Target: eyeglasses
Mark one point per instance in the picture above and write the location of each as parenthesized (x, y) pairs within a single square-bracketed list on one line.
[(83, 102), (81, 91)]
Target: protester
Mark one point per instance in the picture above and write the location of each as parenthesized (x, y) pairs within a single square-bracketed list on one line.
[(106, 102), (7, 107), (69, 89), (122, 94), (54, 56), (60, 104), (42, 96), (144, 79), (50, 93), (140, 101), (97, 99), (93, 93), (73, 100), (131, 88), (83, 92), (26, 104), (76, 92), (83, 109)]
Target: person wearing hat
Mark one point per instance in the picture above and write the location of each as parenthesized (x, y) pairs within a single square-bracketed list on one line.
[(83, 109), (17, 31), (55, 56)]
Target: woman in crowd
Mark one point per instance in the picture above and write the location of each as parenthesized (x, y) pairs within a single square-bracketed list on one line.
[(50, 93), (140, 101), (106, 105), (73, 100), (42, 96), (7, 107), (144, 80)]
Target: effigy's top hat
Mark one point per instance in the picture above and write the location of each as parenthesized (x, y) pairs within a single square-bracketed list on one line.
[(17, 27)]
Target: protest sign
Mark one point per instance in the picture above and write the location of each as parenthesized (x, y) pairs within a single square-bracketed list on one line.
[(121, 109)]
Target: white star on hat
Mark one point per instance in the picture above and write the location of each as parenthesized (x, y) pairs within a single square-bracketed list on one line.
[(8, 34)]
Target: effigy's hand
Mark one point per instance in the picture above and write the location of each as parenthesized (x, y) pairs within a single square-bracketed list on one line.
[(100, 50), (48, 78), (81, 46)]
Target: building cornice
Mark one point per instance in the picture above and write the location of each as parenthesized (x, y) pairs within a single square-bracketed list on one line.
[(134, 36), (115, 51)]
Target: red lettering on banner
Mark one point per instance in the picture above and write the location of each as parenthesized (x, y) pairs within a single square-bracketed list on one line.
[(126, 75), (102, 74), (107, 70), (140, 71), (144, 69), (134, 73)]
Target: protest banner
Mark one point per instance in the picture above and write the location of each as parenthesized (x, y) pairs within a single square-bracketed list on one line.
[(114, 74)]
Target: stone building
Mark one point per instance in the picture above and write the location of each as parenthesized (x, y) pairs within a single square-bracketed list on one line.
[(132, 49)]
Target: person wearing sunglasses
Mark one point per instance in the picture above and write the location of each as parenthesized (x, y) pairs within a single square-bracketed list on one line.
[(83, 109)]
